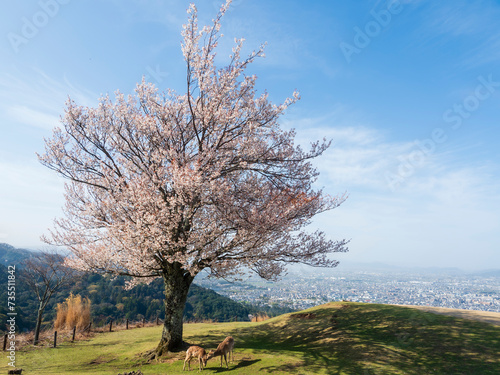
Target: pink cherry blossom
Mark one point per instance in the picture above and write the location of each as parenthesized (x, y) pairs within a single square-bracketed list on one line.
[(162, 184)]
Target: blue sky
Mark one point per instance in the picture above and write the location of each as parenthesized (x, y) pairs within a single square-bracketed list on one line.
[(409, 92)]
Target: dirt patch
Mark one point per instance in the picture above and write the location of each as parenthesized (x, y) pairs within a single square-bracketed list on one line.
[(482, 316), (149, 357), (303, 316), (172, 360), (101, 359)]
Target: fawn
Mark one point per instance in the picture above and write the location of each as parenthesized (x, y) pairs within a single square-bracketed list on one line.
[(195, 352), (223, 349)]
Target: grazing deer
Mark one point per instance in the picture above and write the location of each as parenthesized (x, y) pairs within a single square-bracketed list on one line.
[(224, 348), (195, 352)]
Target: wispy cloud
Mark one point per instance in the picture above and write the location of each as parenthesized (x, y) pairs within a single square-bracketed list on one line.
[(37, 99), (31, 196), (459, 18), (32, 117), (469, 22), (446, 208), (359, 156)]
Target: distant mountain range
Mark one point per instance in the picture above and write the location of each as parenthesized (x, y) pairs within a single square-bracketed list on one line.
[(10, 255), (111, 301), (347, 266)]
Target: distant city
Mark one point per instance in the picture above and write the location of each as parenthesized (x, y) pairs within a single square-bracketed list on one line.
[(307, 287)]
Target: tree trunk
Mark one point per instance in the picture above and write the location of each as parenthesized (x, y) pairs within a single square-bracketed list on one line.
[(177, 282), (38, 326)]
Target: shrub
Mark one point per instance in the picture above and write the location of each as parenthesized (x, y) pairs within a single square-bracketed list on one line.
[(260, 317), (75, 311)]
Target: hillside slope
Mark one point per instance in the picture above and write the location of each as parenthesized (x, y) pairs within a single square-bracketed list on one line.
[(481, 316), (9, 255), (336, 338)]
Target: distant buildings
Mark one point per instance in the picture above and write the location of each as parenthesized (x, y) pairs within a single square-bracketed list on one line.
[(470, 292)]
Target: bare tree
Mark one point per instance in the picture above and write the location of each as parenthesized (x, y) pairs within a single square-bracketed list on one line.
[(46, 274), (166, 185)]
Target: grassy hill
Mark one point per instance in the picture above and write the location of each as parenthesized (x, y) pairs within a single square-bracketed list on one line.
[(336, 338)]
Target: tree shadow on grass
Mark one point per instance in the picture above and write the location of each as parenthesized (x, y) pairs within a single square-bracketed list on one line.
[(240, 365), (372, 339), (100, 344)]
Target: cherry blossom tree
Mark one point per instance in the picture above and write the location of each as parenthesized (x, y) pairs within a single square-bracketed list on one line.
[(167, 185)]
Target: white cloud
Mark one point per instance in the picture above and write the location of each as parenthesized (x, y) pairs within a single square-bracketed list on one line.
[(359, 156), (439, 214), (38, 100), (32, 117)]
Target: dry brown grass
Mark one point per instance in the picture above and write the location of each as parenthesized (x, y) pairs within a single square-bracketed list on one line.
[(74, 312), (24, 341), (260, 318)]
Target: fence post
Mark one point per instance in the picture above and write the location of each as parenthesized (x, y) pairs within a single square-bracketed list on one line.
[(110, 325), (55, 339), (74, 332), (156, 320), (143, 322), (5, 342), (126, 324)]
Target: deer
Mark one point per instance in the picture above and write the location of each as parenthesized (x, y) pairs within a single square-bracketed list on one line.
[(224, 348), (195, 352)]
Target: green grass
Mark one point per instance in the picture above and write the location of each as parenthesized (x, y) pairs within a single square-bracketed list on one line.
[(336, 338)]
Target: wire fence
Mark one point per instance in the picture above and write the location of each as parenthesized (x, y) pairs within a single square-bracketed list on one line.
[(50, 337)]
